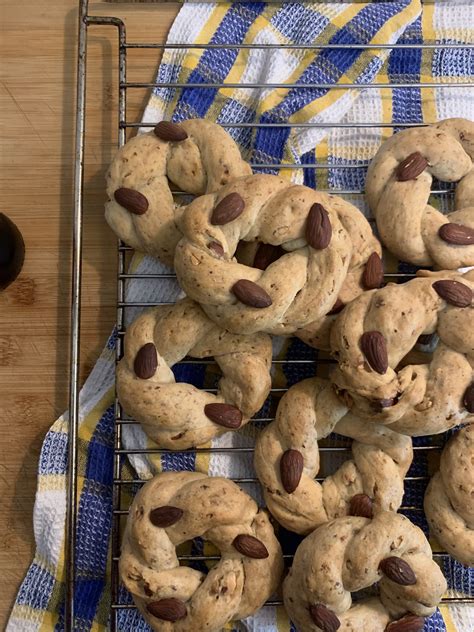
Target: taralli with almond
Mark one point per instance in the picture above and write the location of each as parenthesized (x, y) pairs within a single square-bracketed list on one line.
[(398, 187), (449, 498), (176, 507), (287, 461), (353, 553), (377, 375), (279, 297), (179, 415), (196, 156)]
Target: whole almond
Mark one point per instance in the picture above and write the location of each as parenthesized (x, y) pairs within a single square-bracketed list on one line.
[(146, 361), (454, 292), (374, 347), (171, 132), (324, 618), (457, 234), (250, 546), (468, 399), (249, 293), (134, 201), (167, 609), (267, 254), (408, 623), (228, 209), (165, 516), (291, 469), (224, 415), (361, 505), (372, 276), (336, 308), (398, 571), (216, 248), (318, 227), (411, 167)]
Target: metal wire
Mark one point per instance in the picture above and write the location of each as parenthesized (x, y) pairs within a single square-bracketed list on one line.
[(327, 447)]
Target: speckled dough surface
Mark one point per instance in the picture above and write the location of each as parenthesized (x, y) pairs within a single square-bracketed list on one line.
[(176, 598), (173, 414), (344, 556), (206, 159), (308, 412), (398, 186), (298, 288), (449, 498), (381, 378)]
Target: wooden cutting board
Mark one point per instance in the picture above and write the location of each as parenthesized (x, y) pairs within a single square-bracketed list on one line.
[(37, 84)]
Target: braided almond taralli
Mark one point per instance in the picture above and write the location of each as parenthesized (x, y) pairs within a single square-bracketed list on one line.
[(287, 461), (196, 155), (353, 553), (298, 288), (179, 415), (365, 273), (174, 508), (449, 498), (372, 339), (398, 187)]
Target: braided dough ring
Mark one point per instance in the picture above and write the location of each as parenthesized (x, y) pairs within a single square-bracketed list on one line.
[(287, 461), (352, 553), (197, 156), (365, 273), (176, 507), (298, 288), (449, 498), (373, 335), (398, 187), (179, 415)]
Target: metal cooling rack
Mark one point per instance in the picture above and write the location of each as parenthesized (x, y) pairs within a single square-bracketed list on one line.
[(327, 447)]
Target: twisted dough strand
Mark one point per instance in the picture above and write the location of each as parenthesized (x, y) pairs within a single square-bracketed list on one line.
[(449, 498), (308, 412)]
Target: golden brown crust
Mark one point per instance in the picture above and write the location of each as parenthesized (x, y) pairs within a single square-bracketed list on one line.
[(216, 510), (207, 159), (449, 498), (416, 397), (171, 413), (408, 225), (344, 555), (308, 412), (303, 284)]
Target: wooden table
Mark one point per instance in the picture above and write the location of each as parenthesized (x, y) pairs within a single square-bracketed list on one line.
[(37, 103)]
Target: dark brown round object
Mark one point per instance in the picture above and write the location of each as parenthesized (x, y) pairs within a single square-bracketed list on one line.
[(468, 399), (457, 234), (411, 167), (266, 254), (372, 276), (336, 308), (361, 505), (324, 618), (454, 292), (398, 571), (12, 251), (250, 547), (167, 609), (374, 348), (408, 623), (216, 248)]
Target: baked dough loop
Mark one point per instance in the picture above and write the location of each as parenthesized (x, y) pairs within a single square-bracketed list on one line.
[(353, 553), (196, 156), (449, 498), (378, 374), (179, 415), (279, 296), (175, 507), (287, 461), (398, 187)]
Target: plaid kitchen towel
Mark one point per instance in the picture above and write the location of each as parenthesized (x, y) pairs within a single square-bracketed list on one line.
[(40, 601)]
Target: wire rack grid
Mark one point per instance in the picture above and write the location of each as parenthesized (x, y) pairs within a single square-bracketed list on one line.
[(327, 447)]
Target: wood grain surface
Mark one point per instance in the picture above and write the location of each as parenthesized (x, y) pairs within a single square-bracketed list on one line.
[(37, 103)]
